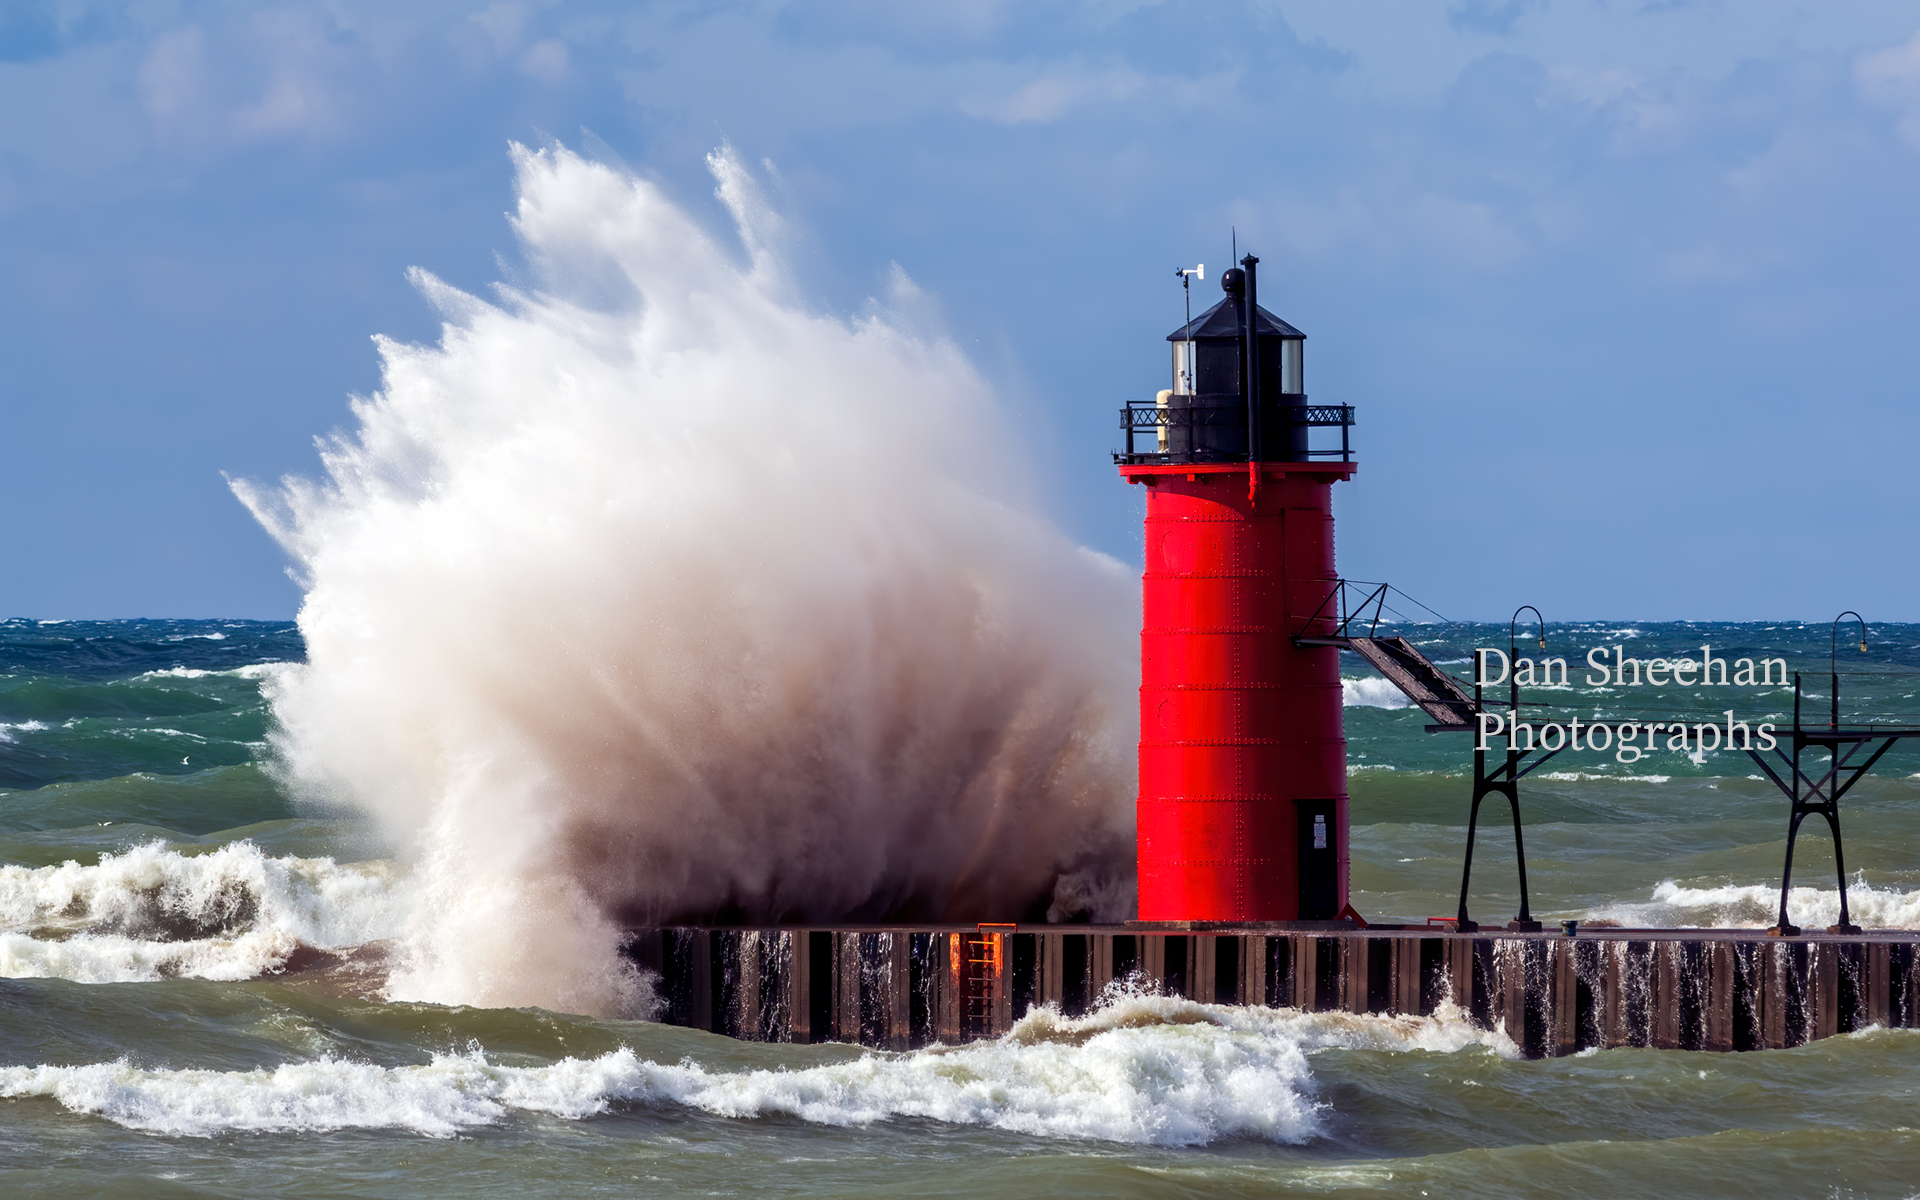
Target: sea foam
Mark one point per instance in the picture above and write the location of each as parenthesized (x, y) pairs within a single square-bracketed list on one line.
[(1754, 906), (650, 592), (1372, 692), (1143, 1069), (152, 913)]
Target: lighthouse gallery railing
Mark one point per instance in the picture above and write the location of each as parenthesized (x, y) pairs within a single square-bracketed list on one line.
[(1174, 427)]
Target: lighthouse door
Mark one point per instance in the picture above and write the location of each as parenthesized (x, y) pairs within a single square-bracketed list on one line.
[(1319, 843)]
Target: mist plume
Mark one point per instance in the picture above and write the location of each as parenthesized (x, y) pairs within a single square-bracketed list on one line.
[(650, 593)]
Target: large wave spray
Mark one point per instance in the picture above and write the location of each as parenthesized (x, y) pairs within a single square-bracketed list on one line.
[(650, 593)]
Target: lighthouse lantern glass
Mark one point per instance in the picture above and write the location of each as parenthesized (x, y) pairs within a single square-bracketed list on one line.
[(1184, 356), (1292, 373)]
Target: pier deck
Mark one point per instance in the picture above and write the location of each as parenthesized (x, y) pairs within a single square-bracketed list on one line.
[(898, 987)]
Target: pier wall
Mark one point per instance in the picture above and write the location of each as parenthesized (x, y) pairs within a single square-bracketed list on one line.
[(897, 988)]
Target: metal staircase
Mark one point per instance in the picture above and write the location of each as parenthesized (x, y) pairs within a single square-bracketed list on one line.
[(1438, 693)]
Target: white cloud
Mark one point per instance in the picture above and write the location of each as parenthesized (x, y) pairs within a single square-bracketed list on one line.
[(1593, 88), (546, 61), (1049, 97), (173, 77), (1464, 231), (503, 21), (1389, 223), (1891, 77), (280, 75), (294, 102)]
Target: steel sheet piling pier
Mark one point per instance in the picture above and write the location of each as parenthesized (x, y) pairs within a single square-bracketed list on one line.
[(899, 987)]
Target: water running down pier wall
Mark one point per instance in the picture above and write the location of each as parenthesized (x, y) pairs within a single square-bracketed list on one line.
[(898, 988)]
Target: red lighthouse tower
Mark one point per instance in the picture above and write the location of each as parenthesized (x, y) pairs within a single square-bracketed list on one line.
[(1243, 765)]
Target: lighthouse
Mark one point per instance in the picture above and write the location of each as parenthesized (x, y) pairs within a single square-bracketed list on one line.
[(1242, 808)]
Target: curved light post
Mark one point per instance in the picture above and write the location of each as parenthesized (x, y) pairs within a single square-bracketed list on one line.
[(1513, 651), (1833, 661), (1505, 780)]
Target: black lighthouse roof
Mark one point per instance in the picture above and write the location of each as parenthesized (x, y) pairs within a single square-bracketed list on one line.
[(1219, 322)]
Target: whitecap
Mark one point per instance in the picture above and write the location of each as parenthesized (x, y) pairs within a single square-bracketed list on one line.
[(1589, 776), (1757, 905), (1372, 692), (1143, 1069), (153, 913), (265, 670), (260, 670)]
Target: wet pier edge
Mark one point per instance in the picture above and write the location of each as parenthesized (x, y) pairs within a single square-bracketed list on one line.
[(894, 987)]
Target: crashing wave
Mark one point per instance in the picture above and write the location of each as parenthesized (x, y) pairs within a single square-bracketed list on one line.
[(154, 913), (652, 593)]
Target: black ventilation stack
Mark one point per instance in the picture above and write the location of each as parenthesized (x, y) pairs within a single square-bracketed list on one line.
[(1235, 397)]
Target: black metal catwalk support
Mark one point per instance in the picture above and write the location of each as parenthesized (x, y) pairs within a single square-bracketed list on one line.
[(1505, 779), (1808, 796)]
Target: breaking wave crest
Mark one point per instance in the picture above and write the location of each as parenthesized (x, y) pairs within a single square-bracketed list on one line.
[(1143, 1069), (1756, 906), (1372, 692), (154, 913)]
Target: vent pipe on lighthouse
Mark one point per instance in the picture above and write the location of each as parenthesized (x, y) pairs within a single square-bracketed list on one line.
[(1245, 291), (1242, 808)]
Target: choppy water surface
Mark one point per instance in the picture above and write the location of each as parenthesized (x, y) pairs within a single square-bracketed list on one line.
[(193, 964)]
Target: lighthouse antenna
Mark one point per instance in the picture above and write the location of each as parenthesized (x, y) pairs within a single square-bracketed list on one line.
[(1184, 379), (1187, 276)]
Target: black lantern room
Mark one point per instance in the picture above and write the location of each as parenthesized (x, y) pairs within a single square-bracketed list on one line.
[(1208, 414)]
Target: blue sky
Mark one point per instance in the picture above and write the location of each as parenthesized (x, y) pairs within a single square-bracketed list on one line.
[(1623, 291)]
